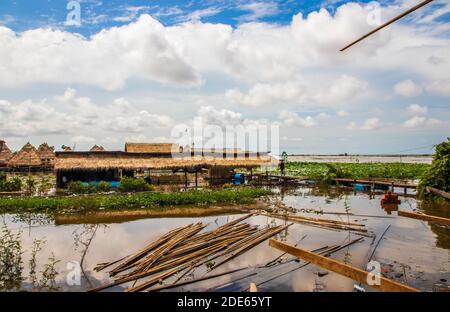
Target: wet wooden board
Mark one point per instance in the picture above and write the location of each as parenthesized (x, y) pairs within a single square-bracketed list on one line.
[(341, 268), (424, 217)]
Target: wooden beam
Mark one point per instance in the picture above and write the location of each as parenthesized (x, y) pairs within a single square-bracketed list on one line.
[(424, 217), (418, 6), (435, 191), (341, 268)]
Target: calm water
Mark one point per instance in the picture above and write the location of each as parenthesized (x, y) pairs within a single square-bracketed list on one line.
[(412, 251)]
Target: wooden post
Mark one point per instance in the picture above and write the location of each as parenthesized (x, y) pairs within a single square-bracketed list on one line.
[(341, 268), (392, 187), (196, 178), (435, 191), (424, 217), (185, 179)]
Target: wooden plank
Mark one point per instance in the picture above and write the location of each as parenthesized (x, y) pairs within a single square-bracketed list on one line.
[(424, 217), (418, 6), (377, 182), (436, 191), (341, 268)]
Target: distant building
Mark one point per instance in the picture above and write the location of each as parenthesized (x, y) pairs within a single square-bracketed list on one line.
[(27, 157), (5, 154), (97, 148), (47, 155)]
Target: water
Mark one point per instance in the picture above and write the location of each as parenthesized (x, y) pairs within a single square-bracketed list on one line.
[(412, 251)]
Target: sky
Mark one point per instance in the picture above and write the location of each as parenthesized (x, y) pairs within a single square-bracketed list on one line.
[(80, 73)]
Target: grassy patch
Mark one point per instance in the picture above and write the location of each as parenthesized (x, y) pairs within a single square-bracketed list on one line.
[(327, 171), (121, 201)]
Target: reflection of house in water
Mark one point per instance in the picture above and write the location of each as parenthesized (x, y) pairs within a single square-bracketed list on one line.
[(142, 157)]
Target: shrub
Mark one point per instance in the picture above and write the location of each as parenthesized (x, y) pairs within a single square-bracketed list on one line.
[(103, 186), (2, 177), (133, 185), (77, 187), (438, 176), (11, 185)]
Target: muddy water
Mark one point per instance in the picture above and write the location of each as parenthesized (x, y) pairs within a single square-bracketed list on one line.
[(412, 251)]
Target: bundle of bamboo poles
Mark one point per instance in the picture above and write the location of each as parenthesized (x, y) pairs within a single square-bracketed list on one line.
[(183, 249)]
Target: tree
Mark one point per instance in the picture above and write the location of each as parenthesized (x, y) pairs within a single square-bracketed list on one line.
[(438, 176)]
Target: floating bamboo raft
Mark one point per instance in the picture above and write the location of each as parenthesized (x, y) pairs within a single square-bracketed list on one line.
[(183, 249)]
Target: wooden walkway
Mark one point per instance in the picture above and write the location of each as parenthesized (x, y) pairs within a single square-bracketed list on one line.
[(378, 182)]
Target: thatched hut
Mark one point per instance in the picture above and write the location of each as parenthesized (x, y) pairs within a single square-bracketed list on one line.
[(67, 149), (110, 166), (5, 154), (28, 156), (47, 155), (97, 148)]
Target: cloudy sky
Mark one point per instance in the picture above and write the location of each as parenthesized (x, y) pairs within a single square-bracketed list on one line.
[(134, 70)]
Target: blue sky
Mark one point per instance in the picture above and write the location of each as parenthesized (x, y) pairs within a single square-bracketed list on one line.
[(136, 69), (96, 15)]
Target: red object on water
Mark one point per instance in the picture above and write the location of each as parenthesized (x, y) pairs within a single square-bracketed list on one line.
[(390, 198)]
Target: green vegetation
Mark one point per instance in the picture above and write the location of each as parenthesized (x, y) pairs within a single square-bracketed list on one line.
[(127, 185), (328, 171), (138, 200), (11, 265), (10, 185), (438, 175), (134, 185)]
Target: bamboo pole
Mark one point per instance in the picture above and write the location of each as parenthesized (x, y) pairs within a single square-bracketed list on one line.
[(418, 6), (252, 244), (317, 223), (424, 217), (164, 287), (341, 268)]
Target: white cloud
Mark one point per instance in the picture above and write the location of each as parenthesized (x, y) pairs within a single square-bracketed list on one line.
[(223, 117), (291, 119), (352, 126), (341, 89), (257, 11), (408, 88), (69, 114), (371, 124), (416, 109), (80, 139), (108, 59), (419, 121), (342, 113), (197, 15), (439, 87)]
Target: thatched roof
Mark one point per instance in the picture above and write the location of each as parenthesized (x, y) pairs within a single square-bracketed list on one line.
[(46, 152), (133, 161), (151, 147), (26, 157), (5, 153), (97, 148), (67, 149)]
